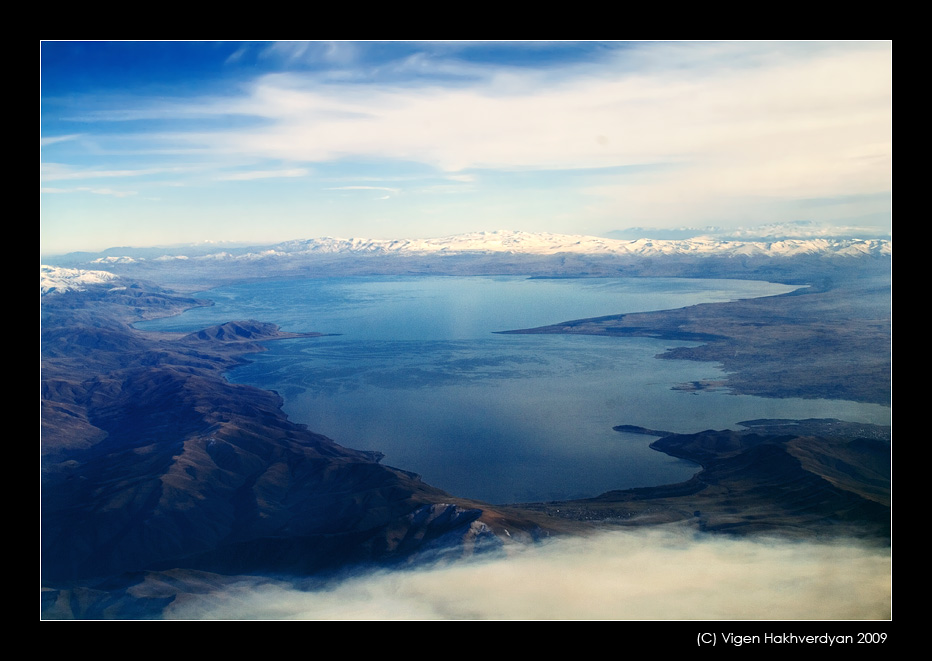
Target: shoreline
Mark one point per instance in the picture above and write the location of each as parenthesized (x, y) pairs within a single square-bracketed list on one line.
[(144, 438), (797, 344)]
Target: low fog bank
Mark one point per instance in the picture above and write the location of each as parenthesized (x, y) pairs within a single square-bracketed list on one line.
[(643, 575)]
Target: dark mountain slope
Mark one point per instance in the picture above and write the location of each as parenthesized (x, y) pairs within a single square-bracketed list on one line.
[(158, 476), (152, 460), (792, 477)]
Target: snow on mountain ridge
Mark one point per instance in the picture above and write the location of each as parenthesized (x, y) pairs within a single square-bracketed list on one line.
[(545, 243), (112, 259), (55, 279), (531, 243)]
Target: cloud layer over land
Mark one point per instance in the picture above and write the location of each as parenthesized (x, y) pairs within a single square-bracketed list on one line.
[(636, 575)]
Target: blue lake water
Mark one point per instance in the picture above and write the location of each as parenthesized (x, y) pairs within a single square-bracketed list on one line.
[(418, 373)]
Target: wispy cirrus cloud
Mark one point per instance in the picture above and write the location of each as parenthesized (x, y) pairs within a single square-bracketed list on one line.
[(264, 174), (86, 189), (59, 171), (588, 117), (311, 52), (51, 140), (794, 126), (385, 188)]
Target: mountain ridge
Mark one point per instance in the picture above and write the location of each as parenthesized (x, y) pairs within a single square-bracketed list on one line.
[(492, 242), (540, 243)]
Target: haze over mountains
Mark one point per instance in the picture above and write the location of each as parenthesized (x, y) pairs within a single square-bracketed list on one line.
[(517, 243), (191, 268), (800, 229)]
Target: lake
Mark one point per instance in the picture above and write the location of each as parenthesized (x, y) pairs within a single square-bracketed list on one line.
[(418, 373)]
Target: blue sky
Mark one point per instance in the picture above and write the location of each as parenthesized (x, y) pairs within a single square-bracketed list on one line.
[(152, 143)]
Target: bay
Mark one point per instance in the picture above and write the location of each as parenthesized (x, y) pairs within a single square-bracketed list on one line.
[(418, 373)]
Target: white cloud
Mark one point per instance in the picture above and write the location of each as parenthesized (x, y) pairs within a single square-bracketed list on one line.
[(87, 189), (645, 575), (265, 174), (44, 142), (718, 133), (811, 126), (58, 171), (311, 52), (390, 190), (108, 191)]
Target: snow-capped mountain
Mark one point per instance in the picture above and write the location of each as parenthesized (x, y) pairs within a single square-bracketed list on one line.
[(541, 243), (55, 279)]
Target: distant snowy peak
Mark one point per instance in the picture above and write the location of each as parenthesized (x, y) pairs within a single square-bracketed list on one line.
[(113, 260), (522, 243), (53, 279), (551, 244)]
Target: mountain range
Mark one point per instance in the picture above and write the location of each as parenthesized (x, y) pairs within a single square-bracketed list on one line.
[(516, 242)]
